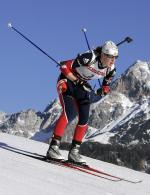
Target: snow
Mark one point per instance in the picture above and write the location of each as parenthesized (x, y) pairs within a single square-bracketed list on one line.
[(126, 103), (141, 71), (27, 176), (134, 142), (148, 131), (103, 138), (131, 110), (2, 117), (104, 134), (20, 121)]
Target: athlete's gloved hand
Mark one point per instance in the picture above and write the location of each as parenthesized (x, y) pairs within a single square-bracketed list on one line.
[(104, 90), (85, 85)]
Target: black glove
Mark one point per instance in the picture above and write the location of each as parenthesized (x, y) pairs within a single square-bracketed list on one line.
[(83, 84), (99, 92)]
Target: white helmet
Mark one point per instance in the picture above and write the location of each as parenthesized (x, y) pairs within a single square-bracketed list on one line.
[(110, 48)]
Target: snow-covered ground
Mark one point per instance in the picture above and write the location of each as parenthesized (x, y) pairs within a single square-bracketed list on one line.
[(23, 175)]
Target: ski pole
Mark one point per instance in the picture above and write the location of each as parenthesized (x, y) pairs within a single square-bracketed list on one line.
[(84, 31), (127, 39), (17, 31)]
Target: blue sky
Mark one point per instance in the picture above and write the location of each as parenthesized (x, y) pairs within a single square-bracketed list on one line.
[(27, 77)]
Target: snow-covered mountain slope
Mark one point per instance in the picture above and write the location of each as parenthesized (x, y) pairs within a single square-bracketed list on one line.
[(133, 124), (2, 117), (124, 114), (26, 176), (120, 117)]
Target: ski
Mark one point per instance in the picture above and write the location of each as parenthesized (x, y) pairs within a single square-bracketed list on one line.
[(60, 163), (83, 168), (93, 171), (89, 168), (79, 168)]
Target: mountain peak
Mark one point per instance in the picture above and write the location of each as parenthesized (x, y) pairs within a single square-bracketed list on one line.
[(135, 82)]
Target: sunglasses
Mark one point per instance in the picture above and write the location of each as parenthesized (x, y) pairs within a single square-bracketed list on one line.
[(111, 56)]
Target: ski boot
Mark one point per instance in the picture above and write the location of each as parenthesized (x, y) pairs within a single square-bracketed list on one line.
[(74, 156), (53, 152)]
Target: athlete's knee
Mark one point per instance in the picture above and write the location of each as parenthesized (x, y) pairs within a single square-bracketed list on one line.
[(62, 86)]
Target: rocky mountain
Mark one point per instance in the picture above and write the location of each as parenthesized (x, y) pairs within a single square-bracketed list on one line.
[(24, 123), (120, 119), (125, 113)]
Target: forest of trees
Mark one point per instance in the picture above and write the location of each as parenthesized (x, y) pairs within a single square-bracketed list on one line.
[(136, 157)]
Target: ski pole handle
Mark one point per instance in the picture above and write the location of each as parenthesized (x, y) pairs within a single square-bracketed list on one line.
[(127, 39)]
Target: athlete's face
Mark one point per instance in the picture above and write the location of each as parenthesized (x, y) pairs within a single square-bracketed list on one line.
[(107, 60)]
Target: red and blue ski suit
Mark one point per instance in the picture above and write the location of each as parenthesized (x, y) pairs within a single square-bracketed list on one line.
[(86, 66)]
